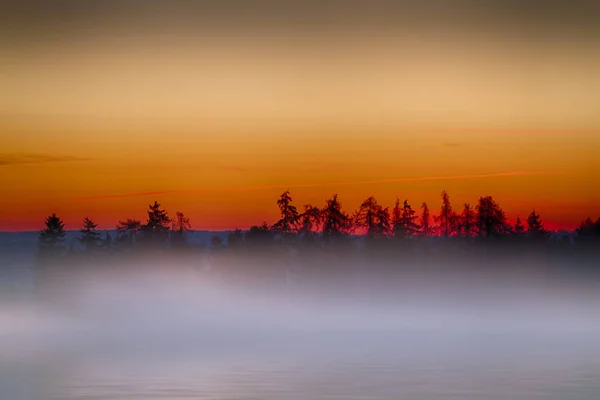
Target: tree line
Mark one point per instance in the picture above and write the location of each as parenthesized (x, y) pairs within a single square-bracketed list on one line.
[(328, 224)]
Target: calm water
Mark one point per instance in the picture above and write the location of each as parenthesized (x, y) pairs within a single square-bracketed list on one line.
[(335, 365)]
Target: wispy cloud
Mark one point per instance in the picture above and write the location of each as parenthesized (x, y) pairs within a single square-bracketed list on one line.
[(509, 131), (319, 184), (27, 158)]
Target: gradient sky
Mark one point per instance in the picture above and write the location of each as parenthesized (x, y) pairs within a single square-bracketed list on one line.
[(215, 108)]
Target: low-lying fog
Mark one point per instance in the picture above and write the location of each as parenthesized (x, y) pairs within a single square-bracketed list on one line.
[(173, 333)]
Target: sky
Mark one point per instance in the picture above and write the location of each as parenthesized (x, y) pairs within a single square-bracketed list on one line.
[(215, 108)]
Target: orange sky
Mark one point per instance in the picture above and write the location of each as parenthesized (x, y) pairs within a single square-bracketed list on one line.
[(217, 126)]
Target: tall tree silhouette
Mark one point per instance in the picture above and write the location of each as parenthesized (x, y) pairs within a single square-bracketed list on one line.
[(289, 215), (180, 226), (446, 216), (90, 237), (396, 220), (519, 229), (407, 225), (127, 231), (535, 227), (156, 229), (309, 220), (467, 220), (372, 217), (383, 221), (335, 221), (491, 219), (52, 238), (425, 219)]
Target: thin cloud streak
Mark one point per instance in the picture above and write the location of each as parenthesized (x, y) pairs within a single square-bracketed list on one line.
[(26, 158), (324, 184), (508, 131)]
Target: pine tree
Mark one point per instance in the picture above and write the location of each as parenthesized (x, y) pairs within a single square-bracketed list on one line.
[(446, 216), (491, 220), (589, 228), (372, 217), (309, 220), (335, 221), (52, 238), (407, 226), (289, 216), (467, 220), (425, 220), (519, 229), (156, 229), (535, 226), (90, 238), (397, 219), (383, 224)]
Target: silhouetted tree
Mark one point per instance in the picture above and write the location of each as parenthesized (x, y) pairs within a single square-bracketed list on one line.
[(289, 216), (372, 217), (383, 225), (467, 220), (156, 229), (180, 226), (519, 229), (396, 220), (335, 221), (407, 226), (127, 231), (425, 219), (535, 227), (90, 238), (52, 238), (588, 228), (588, 236), (259, 235), (310, 220), (491, 219), (445, 218)]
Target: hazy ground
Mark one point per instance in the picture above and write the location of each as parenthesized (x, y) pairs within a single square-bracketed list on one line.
[(176, 332)]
